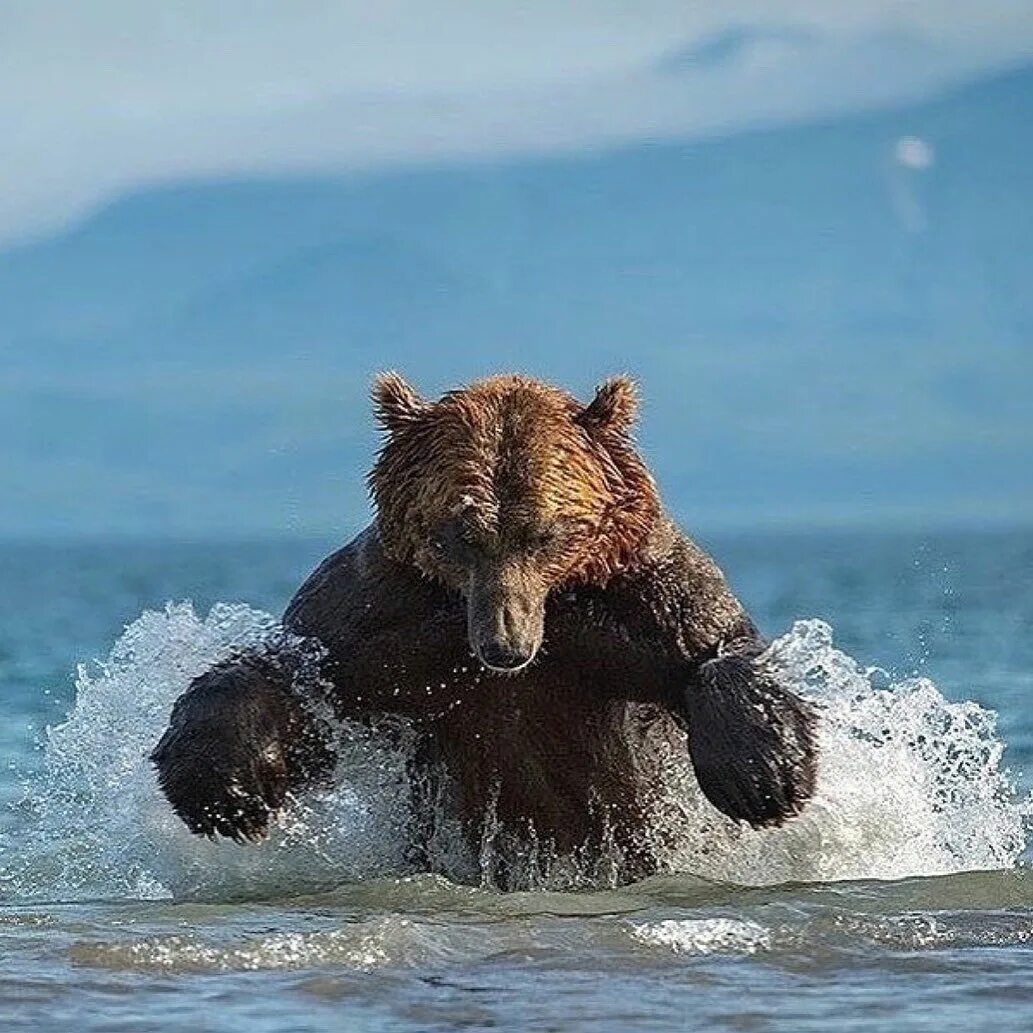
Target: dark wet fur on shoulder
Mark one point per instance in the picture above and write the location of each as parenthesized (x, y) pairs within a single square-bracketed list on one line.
[(517, 529)]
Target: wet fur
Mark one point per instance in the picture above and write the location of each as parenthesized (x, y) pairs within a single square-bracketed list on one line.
[(645, 651)]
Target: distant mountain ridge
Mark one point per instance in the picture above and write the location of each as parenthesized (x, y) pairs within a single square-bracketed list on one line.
[(822, 331)]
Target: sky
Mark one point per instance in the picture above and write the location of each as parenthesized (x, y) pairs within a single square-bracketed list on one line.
[(111, 96)]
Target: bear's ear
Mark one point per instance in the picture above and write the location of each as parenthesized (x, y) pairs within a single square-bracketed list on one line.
[(395, 403), (613, 408)]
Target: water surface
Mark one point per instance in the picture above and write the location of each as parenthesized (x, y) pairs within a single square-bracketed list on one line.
[(899, 901)]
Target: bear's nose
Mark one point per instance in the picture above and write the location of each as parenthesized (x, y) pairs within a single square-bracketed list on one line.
[(501, 657), (505, 618)]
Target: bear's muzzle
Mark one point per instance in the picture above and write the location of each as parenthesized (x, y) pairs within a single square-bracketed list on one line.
[(505, 617)]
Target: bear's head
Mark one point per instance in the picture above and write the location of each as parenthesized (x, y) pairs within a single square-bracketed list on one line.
[(509, 489)]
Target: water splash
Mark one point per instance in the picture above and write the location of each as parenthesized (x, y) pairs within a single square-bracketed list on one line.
[(97, 826), (909, 784)]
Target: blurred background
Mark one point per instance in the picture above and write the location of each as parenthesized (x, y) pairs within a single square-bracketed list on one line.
[(805, 227)]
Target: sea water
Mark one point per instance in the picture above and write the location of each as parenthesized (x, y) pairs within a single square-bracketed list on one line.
[(898, 900)]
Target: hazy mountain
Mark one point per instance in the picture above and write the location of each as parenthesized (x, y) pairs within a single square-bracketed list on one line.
[(830, 321)]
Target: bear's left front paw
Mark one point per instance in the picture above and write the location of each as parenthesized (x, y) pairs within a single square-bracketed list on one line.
[(752, 742)]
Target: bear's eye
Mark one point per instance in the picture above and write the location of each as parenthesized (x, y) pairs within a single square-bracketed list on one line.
[(453, 539), (549, 535), (441, 539)]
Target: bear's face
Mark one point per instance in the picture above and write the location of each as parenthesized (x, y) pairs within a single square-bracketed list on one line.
[(509, 489)]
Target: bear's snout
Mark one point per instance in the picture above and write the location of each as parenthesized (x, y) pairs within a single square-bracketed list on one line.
[(505, 619)]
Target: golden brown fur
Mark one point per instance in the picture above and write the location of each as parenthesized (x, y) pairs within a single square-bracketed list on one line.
[(521, 455)]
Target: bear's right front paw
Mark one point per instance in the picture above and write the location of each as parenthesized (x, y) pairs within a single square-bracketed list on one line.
[(238, 741), (231, 793)]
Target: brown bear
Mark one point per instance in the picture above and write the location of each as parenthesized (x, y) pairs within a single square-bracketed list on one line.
[(524, 601)]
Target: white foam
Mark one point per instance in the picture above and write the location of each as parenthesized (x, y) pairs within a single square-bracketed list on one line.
[(909, 784), (703, 936)]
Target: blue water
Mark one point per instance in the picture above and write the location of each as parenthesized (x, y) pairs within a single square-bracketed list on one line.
[(900, 902)]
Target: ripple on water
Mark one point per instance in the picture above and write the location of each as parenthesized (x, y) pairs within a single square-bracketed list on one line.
[(703, 935), (385, 941)]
